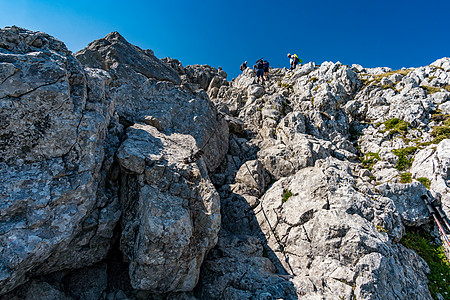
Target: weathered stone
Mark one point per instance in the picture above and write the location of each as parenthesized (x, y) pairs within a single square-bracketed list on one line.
[(139, 95), (52, 211), (113, 48), (172, 216)]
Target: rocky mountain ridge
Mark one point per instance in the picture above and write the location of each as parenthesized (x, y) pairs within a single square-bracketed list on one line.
[(300, 188)]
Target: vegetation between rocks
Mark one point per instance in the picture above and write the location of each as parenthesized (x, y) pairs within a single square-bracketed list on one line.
[(396, 125), (425, 181), (423, 244), (405, 177), (404, 162), (403, 72), (441, 131), (287, 195), (430, 89), (313, 79), (369, 160)]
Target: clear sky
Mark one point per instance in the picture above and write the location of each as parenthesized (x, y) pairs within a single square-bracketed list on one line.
[(392, 33)]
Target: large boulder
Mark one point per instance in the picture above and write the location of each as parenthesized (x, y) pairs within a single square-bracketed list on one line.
[(172, 215), (323, 230), (141, 96), (54, 212), (104, 53)]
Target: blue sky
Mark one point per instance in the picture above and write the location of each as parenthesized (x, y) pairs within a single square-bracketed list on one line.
[(225, 33)]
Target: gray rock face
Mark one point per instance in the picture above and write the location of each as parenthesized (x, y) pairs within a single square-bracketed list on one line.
[(139, 97), (52, 212), (326, 231), (330, 222), (407, 199), (173, 211), (113, 48), (307, 198)]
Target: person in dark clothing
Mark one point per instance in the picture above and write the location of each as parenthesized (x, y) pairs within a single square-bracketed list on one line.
[(243, 66), (259, 67), (266, 69)]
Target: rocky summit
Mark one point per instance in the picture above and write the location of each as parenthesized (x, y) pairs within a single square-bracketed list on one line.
[(125, 176)]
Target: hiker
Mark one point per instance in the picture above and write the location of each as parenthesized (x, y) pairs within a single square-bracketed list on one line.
[(293, 60), (243, 66), (266, 69), (259, 67)]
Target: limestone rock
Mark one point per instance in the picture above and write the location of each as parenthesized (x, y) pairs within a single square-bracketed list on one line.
[(172, 214), (140, 95), (113, 48), (53, 213), (322, 231), (407, 199)]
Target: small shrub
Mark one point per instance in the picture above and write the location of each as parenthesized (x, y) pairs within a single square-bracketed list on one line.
[(405, 177), (446, 87), (403, 161), (425, 181), (287, 195), (396, 125), (423, 244), (440, 133)]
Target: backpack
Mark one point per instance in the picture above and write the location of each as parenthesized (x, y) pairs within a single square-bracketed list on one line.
[(260, 64), (296, 59)]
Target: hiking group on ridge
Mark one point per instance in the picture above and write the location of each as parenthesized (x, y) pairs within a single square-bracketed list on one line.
[(261, 67)]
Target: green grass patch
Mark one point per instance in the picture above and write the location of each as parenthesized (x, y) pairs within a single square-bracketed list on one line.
[(404, 160), (425, 181), (396, 125), (439, 68), (313, 79), (441, 131), (423, 244), (366, 81), (430, 89), (286, 85), (405, 177), (438, 116), (287, 195), (369, 160), (387, 74)]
